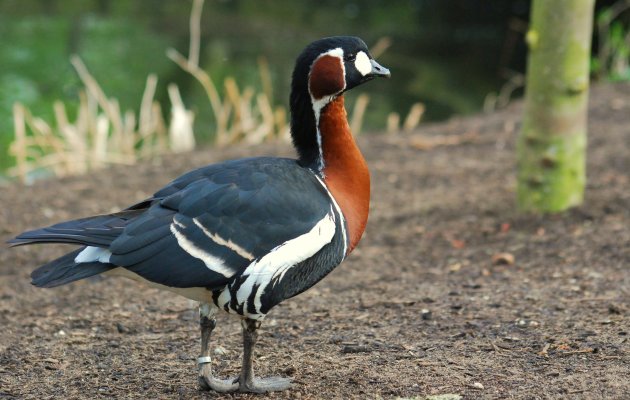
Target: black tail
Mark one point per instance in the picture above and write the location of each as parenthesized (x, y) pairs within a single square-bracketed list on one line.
[(97, 231), (64, 270)]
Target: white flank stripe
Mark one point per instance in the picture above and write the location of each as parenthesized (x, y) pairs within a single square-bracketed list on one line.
[(224, 298), (213, 263), (92, 254), (285, 256), (344, 235), (227, 243)]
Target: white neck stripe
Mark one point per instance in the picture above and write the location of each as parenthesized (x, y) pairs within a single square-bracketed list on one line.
[(319, 104)]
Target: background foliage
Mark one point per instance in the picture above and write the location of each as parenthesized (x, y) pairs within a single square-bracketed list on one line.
[(449, 54)]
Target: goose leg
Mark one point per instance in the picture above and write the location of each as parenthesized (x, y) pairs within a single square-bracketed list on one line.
[(247, 381), (206, 380)]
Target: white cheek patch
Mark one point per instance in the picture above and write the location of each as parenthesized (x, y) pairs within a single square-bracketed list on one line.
[(362, 63)]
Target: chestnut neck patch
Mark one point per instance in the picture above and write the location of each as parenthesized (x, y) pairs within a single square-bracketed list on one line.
[(327, 77), (345, 171)]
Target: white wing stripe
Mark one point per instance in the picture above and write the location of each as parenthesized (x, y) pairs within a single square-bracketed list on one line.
[(227, 243), (212, 262), (285, 256)]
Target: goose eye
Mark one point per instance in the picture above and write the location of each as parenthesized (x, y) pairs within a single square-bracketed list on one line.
[(350, 57)]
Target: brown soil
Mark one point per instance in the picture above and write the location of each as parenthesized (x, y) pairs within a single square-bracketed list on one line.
[(419, 309)]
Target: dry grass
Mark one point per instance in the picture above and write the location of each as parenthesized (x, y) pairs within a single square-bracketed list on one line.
[(410, 123), (102, 134)]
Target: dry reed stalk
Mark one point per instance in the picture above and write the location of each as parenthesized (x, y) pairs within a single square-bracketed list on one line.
[(195, 32), (413, 118), (180, 131), (111, 108), (206, 82), (358, 113), (381, 46), (99, 141), (19, 146), (72, 143), (161, 130), (281, 124), (267, 125), (102, 134), (99, 136), (239, 115), (393, 122), (411, 121), (265, 78), (146, 118)]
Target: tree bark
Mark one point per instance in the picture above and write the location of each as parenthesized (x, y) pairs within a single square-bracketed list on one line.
[(551, 150)]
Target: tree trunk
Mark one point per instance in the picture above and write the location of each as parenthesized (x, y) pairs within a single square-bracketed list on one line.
[(551, 149)]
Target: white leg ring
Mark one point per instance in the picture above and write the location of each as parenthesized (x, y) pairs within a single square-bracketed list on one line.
[(204, 360)]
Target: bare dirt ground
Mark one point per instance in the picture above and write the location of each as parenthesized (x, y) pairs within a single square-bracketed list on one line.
[(419, 309)]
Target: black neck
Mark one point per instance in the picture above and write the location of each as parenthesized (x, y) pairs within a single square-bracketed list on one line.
[(304, 127)]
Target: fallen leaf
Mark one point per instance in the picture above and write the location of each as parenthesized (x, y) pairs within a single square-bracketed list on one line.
[(458, 244)]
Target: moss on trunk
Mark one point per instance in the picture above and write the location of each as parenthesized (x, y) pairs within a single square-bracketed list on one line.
[(551, 149)]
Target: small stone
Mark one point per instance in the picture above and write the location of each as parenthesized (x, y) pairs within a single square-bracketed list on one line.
[(455, 267), (614, 309), (478, 385), (349, 348), (426, 314), (503, 259), (446, 396), (121, 328), (220, 351), (336, 339), (290, 370)]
